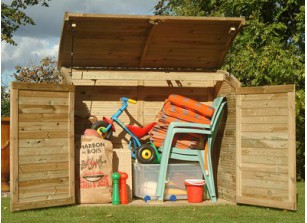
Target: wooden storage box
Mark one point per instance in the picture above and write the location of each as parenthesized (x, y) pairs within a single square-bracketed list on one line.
[(147, 58)]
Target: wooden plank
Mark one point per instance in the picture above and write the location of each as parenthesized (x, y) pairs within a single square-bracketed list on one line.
[(268, 184), (278, 103), (238, 147), (264, 168), (264, 119), (44, 201), (267, 203), (14, 119), (44, 191), (43, 175), (265, 89), (35, 126), (264, 127), (281, 177), (147, 75), (267, 111), (265, 135), (43, 142), (43, 134), (273, 160), (266, 97), (254, 143), (42, 94), (34, 151), (42, 87), (43, 117), (264, 151), (42, 101), (71, 144), (292, 149), (34, 184), (37, 167), (46, 109), (264, 193), (50, 158)]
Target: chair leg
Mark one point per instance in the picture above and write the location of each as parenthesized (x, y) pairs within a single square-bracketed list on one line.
[(209, 178), (166, 150)]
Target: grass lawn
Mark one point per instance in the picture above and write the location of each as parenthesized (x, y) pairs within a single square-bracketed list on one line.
[(151, 214)]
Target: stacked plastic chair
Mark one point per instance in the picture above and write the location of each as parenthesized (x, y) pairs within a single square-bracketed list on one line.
[(169, 150), (181, 109)]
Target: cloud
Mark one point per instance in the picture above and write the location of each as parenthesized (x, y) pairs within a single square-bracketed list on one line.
[(29, 50)]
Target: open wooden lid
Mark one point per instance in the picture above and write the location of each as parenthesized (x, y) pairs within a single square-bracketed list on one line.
[(133, 42)]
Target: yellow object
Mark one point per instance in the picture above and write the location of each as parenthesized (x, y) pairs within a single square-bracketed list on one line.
[(132, 101)]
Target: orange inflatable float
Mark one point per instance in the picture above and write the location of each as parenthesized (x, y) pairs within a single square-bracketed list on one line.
[(181, 109), (192, 105)]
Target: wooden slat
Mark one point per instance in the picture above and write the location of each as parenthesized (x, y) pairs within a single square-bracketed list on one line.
[(50, 158), (43, 117), (264, 151), (43, 175), (42, 101), (292, 149), (264, 193), (264, 168), (14, 119), (273, 160), (267, 111), (43, 134), (254, 143), (41, 87), (282, 177), (37, 167), (34, 151), (264, 119), (45, 109), (40, 202), (265, 89), (43, 142), (42, 94), (278, 103), (264, 127), (44, 182), (147, 75), (43, 202), (44, 191), (34, 126)]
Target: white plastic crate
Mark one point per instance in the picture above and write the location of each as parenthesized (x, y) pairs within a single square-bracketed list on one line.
[(145, 178)]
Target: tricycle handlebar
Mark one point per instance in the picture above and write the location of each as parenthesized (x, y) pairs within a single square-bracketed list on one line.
[(124, 99)]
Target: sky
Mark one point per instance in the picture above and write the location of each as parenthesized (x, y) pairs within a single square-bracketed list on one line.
[(41, 40)]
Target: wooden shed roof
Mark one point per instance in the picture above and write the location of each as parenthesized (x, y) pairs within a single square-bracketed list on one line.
[(125, 41)]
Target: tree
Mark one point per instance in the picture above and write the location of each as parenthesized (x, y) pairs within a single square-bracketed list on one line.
[(45, 72), (5, 101), (269, 51), (12, 17)]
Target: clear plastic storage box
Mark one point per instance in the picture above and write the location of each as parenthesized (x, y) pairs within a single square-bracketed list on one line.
[(145, 178)]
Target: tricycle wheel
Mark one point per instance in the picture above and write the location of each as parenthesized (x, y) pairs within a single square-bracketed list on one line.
[(99, 126), (146, 154)]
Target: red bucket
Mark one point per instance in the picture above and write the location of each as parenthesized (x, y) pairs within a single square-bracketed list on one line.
[(195, 189)]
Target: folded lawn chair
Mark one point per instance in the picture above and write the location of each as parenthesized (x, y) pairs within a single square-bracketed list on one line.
[(202, 156)]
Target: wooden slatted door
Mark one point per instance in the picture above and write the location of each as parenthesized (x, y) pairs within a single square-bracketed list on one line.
[(42, 145), (266, 148)]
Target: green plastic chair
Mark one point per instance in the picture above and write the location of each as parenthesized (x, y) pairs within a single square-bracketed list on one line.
[(210, 131)]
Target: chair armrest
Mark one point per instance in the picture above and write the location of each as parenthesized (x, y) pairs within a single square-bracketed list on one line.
[(188, 125)]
